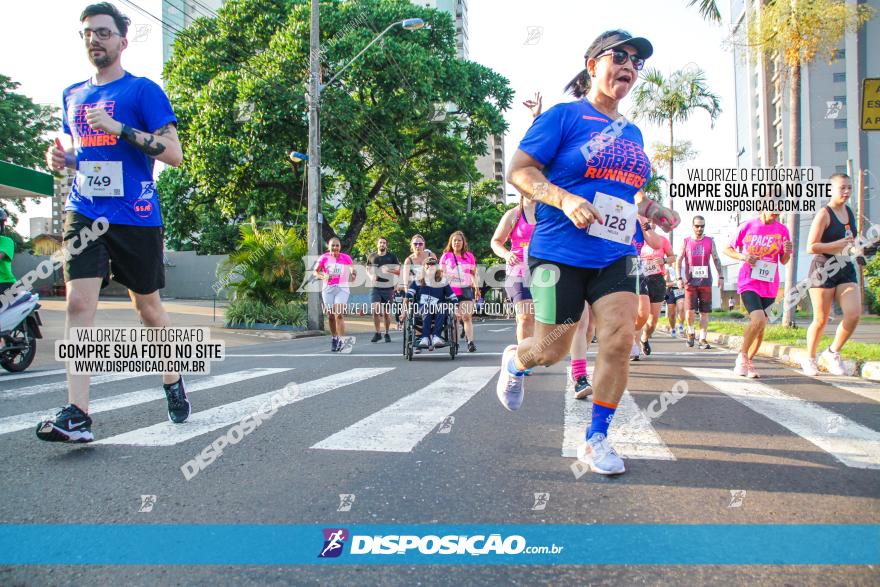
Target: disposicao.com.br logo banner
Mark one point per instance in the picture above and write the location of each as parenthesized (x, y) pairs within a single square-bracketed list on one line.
[(606, 544)]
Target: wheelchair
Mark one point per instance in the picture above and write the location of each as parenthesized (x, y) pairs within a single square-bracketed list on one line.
[(412, 332)]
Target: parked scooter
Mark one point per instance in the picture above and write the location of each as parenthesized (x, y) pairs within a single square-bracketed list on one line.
[(19, 330)]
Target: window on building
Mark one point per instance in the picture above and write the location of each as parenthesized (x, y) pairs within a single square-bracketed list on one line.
[(840, 146), (840, 123), (840, 53), (840, 77), (840, 99), (840, 169)]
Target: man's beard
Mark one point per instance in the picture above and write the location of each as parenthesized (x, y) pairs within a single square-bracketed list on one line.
[(101, 61)]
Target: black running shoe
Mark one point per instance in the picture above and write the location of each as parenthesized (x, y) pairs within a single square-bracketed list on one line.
[(333, 345), (582, 388), (595, 339), (646, 347), (704, 344), (376, 337), (387, 337), (70, 424), (178, 404), (472, 348), (690, 339)]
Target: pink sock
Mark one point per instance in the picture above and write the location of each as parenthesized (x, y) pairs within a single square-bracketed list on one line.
[(578, 368)]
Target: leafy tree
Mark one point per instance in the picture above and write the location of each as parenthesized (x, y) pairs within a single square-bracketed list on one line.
[(238, 84), (22, 126), (667, 100), (708, 9), (682, 152), (799, 32)]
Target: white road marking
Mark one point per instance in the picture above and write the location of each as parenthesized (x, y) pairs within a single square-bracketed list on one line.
[(61, 386), (167, 433), (850, 443), (403, 424), (125, 400), (852, 385), (631, 433), (501, 329), (4, 377)]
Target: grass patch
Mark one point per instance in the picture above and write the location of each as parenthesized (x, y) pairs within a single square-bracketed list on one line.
[(857, 351)]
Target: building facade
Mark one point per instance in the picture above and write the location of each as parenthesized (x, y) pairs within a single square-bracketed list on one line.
[(831, 139)]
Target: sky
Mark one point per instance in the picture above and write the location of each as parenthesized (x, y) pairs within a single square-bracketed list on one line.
[(537, 46)]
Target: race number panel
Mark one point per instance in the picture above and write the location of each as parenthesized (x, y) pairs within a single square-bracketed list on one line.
[(100, 179), (764, 271), (619, 217)]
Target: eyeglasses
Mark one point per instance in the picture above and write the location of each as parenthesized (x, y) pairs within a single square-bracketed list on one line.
[(619, 57), (102, 33)]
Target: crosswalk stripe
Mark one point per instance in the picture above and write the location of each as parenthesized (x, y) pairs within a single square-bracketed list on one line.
[(403, 424), (866, 390), (850, 443), (167, 433), (631, 432), (16, 376), (125, 400), (60, 386)]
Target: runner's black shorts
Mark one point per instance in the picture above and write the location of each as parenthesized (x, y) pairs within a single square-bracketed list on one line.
[(466, 295), (656, 288), (671, 298), (752, 301), (821, 267), (132, 255), (559, 291), (381, 295)]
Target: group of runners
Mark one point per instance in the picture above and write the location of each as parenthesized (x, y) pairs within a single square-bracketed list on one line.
[(586, 251)]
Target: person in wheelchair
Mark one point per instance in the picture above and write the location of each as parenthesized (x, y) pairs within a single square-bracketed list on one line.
[(428, 293)]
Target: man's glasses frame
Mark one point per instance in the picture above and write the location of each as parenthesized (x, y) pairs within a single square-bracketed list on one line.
[(619, 57), (102, 33)]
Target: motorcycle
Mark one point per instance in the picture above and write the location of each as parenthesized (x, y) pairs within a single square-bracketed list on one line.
[(19, 330)]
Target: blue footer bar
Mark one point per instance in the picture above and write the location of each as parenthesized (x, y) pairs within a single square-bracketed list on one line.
[(632, 544)]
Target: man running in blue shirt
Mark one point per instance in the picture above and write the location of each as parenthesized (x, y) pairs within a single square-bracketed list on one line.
[(119, 124)]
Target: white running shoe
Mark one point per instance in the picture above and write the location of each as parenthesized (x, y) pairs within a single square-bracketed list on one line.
[(741, 367), (808, 366), (751, 373), (635, 352), (437, 342), (833, 362), (425, 342), (600, 456), (510, 387)]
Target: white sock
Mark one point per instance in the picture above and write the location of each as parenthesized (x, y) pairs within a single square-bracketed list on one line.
[(703, 334)]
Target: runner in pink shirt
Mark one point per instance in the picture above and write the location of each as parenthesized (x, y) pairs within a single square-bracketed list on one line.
[(336, 269), (460, 269), (761, 243), (654, 262)]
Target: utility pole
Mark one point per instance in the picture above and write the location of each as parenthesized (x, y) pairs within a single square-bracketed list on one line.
[(315, 316)]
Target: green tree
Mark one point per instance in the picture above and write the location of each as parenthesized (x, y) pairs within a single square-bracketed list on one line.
[(238, 84), (682, 152), (667, 100), (708, 9), (23, 123), (799, 32)]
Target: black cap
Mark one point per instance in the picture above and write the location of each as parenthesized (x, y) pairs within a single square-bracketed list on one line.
[(613, 39)]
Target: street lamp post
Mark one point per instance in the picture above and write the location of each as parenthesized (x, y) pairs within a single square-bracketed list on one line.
[(314, 217)]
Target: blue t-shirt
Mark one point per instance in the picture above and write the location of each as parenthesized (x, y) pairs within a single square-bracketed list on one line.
[(561, 139), (141, 104)]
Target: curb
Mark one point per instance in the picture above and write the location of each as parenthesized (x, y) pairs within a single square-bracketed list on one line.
[(792, 355), (275, 334)]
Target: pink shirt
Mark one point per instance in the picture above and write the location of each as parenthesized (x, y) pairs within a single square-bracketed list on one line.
[(696, 255), (459, 270), (656, 255), (519, 244), (336, 267), (764, 241)]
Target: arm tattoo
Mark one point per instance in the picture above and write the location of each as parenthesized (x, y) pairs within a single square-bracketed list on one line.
[(164, 130), (129, 135)]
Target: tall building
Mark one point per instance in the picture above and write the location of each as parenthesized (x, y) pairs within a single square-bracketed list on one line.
[(179, 14), (41, 225), (830, 114), (62, 187)]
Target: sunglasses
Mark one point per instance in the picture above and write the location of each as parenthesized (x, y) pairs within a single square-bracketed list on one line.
[(699, 226), (619, 57), (418, 244)]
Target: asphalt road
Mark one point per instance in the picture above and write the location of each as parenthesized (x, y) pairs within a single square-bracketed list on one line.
[(426, 442)]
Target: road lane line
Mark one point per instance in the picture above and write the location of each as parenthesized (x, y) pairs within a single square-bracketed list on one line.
[(60, 386), (403, 424), (631, 433), (167, 434), (125, 400), (850, 443), (15, 376)]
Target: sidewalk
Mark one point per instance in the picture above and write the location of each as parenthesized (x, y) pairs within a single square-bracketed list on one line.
[(867, 332)]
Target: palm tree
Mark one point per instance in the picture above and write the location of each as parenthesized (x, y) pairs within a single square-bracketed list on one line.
[(708, 10), (663, 100), (797, 33)]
